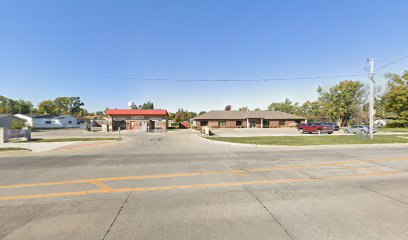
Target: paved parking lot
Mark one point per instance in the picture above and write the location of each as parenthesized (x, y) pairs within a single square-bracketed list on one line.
[(176, 185)]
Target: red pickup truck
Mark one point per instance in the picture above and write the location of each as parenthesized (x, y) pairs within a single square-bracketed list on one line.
[(315, 128)]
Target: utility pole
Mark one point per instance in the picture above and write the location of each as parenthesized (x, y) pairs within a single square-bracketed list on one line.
[(371, 99)]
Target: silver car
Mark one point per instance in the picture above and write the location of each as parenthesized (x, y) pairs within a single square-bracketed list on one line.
[(359, 129)]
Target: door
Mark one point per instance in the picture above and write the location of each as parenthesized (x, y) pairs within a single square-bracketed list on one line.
[(252, 124), (132, 125), (151, 125)]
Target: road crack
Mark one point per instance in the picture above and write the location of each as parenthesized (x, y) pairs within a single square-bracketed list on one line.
[(384, 195), (117, 215), (270, 213), (266, 209)]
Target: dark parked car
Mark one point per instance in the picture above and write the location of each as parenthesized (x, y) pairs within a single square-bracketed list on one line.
[(332, 124)]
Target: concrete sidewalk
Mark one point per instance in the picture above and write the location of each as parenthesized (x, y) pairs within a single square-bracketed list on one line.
[(37, 147)]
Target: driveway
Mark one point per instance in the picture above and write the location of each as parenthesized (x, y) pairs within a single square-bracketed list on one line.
[(176, 185)]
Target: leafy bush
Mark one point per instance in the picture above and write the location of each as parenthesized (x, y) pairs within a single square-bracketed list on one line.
[(397, 124), (17, 124)]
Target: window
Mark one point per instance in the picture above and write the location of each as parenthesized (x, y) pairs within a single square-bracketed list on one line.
[(265, 122), (47, 122), (239, 123), (281, 122), (222, 124), (203, 123)]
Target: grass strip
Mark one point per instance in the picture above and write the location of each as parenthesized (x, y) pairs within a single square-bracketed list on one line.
[(313, 140), (393, 130), (70, 139), (13, 149)]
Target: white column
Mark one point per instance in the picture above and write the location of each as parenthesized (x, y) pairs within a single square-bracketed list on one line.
[(3, 135), (247, 122), (261, 122)]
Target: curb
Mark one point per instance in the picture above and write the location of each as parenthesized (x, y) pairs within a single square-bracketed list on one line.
[(307, 147)]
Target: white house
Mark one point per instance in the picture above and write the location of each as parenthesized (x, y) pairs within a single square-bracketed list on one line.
[(50, 121)]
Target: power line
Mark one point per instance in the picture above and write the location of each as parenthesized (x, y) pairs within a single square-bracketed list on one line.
[(391, 63), (256, 80), (216, 80)]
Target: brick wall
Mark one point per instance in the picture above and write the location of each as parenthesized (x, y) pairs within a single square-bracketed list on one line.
[(273, 124), (213, 124), (231, 124), (228, 123), (290, 123)]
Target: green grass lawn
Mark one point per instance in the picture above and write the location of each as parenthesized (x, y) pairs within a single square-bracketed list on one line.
[(313, 140), (13, 149), (393, 130), (69, 139)]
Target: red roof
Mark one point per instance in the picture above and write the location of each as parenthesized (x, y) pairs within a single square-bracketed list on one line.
[(135, 112), (184, 125)]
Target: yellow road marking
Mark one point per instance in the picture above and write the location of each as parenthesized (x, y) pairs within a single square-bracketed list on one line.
[(277, 168), (101, 185), (194, 186), (242, 174)]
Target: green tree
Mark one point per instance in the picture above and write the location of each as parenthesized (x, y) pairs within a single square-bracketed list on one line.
[(69, 105), (244, 108), (286, 106), (342, 102), (257, 109), (46, 107), (11, 106), (62, 105), (395, 98), (171, 116), (311, 110), (75, 105), (183, 115), (202, 112), (148, 105)]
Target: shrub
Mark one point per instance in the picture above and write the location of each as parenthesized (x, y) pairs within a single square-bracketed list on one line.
[(396, 124), (17, 124)]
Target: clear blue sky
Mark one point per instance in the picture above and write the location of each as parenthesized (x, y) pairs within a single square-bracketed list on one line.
[(58, 48)]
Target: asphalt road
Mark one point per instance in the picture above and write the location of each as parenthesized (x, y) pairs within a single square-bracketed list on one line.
[(176, 185)]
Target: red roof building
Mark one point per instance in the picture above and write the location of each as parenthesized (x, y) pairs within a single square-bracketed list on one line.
[(135, 119)]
